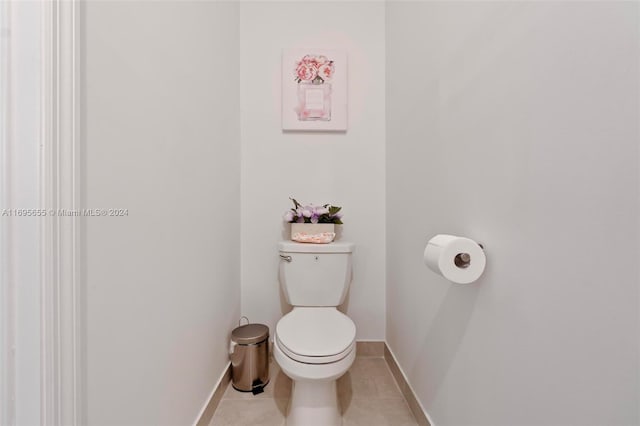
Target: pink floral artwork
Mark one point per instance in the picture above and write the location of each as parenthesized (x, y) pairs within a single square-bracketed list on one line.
[(314, 69), (313, 74), (315, 98)]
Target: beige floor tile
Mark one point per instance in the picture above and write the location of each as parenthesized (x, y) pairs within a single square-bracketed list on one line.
[(386, 387), (350, 387), (368, 395), (378, 412), (368, 378), (250, 412), (358, 386)]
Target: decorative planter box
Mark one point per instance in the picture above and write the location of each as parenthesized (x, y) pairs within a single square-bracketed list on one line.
[(312, 228)]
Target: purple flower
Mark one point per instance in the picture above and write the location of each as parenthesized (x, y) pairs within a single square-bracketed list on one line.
[(288, 216), (311, 213), (319, 211)]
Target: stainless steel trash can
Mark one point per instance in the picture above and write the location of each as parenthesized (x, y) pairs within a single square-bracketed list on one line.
[(249, 353)]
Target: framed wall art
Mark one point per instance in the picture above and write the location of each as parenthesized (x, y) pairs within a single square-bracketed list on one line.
[(314, 89)]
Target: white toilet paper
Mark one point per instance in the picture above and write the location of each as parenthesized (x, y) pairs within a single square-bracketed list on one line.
[(458, 259)]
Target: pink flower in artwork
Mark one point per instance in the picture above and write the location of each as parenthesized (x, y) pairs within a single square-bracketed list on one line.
[(306, 72), (310, 59), (326, 71), (314, 68)]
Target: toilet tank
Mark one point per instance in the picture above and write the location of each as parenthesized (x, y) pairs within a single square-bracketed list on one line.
[(315, 274)]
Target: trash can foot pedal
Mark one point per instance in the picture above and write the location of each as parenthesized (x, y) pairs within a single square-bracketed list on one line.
[(257, 387)]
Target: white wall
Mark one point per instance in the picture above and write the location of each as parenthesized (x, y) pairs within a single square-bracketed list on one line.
[(162, 140), (6, 303), (21, 319), (515, 123), (345, 169)]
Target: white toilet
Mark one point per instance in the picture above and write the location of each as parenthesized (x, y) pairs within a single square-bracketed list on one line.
[(314, 344)]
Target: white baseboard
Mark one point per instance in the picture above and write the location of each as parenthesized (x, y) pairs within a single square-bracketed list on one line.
[(409, 394), (210, 405)]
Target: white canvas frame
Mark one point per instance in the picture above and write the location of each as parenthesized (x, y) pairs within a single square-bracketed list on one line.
[(290, 119)]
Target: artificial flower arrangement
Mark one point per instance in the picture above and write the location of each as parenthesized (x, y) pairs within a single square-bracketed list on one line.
[(314, 69), (313, 214), (313, 224)]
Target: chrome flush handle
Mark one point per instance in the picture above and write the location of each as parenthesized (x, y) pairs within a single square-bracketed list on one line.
[(286, 258)]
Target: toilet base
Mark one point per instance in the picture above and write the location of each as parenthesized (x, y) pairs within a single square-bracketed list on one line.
[(314, 403), (314, 396)]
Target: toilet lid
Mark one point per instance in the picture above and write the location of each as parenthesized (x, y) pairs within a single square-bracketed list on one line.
[(316, 332)]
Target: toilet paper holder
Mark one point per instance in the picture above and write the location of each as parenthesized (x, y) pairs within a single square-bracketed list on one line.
[(459, 260), (463, 260)]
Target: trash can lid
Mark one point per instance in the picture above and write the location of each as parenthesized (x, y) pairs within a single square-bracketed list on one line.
[(249, 334)]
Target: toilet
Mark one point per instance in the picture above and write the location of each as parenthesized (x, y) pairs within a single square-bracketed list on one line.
[(315, 344)]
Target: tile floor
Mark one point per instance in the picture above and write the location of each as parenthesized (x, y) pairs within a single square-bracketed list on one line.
[(368, 395)]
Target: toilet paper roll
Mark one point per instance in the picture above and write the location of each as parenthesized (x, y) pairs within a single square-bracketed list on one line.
[(458, 259)]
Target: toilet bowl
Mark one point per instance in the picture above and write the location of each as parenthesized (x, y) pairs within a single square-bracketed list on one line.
[(314, 346)]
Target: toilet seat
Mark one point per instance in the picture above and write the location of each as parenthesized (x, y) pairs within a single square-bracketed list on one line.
[(316, 335)]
